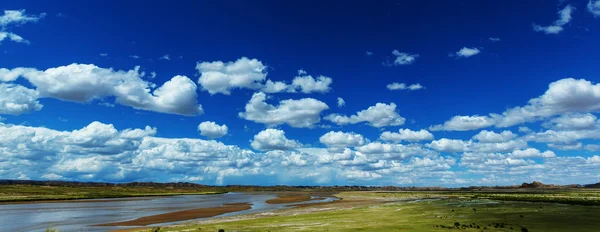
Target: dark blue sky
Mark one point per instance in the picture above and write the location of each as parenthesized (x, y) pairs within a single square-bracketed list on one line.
[(329, 38)]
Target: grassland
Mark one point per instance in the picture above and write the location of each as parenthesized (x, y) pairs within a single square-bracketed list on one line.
[(27, 193), (431, 211)]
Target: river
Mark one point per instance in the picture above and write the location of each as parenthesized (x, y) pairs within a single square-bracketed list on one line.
[(70, 216)]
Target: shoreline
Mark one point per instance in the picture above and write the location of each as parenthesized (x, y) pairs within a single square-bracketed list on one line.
[(100, 198), (182, 215)]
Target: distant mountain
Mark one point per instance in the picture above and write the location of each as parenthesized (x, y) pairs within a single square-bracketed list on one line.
[(536, 184), (596, 185)]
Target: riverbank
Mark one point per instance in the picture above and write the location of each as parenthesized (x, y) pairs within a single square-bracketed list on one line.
[(419, 211), (183, 215), (23, 194)]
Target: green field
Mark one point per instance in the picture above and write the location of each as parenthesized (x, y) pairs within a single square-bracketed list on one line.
[(462, 211), (23, 193)]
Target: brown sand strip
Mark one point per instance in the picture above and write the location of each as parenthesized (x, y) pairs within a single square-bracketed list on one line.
[(288, 199), (183, 215)]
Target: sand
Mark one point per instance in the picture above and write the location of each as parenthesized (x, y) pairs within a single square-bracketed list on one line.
[(183, 215), (288, 199)]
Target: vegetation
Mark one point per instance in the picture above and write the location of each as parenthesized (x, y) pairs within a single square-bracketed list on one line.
[(21, 193), (435, 214)]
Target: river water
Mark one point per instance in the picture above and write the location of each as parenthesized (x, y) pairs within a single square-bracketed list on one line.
[(79, 216)]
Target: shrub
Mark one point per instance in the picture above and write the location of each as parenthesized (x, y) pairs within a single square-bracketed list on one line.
[(50, 229)]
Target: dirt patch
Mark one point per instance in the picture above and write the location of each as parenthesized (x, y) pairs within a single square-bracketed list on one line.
[(183, 215), (288, 199)]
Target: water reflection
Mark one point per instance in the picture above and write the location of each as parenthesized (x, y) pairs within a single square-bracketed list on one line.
[(78, 216)]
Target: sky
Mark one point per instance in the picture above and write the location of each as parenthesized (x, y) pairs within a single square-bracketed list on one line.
[(403, 93)]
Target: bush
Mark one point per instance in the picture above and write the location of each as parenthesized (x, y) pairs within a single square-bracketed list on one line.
[(50, 229)]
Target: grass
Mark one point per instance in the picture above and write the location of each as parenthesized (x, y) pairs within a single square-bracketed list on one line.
[(460, 212), (23, 193)]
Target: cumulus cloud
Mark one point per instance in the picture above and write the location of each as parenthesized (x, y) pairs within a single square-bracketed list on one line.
[(273, 139), (101, 152), (485, 136), (465, 123), (340, 102), (17, 99), (573, 122), (303, 83), (494, 39), (87, 82), (466, 52), (449, 145), (212, 130), (563, 96), (274, 86), (308, 84), (300, 113), (341, 140), (402, 86), (406, 135), (379, 115), (457, 145), (557, 26), (532, 153), (404, 58), (563, 137), (219, 77), (594, 7)]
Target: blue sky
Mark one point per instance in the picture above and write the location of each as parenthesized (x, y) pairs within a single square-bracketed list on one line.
[(247, 92)]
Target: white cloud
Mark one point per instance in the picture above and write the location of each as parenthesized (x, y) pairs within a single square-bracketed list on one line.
[(379, 115), (563, 137), (402, 86), (212, 130), (340, 102), (303, 83), (12, 36), (406, 135), (592, 147), (304, 112), (338, 139), (465, 123), (368, 53), (573, 122), (485, 136), (467, 52), (273, 139), (557, 26), (84, 83), (594, 7), (274, 87), (404, 58), (17, 99), (308, 84), (165, 57), (449, 145), (532, 153), (103, 54), (456, 145), (100, 152), (565, 147), (494, 39), (17, 17), (563, 96), (218, 77)]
